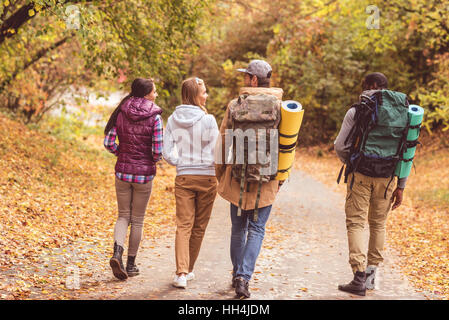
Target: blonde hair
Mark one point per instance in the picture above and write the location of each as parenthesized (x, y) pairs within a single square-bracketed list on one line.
[(190, 91)]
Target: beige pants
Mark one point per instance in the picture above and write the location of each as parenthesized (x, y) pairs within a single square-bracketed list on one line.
[(132, 200), (366, 201), (195, 195)]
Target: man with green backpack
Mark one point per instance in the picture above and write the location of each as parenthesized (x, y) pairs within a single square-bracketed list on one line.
[(371, 143)]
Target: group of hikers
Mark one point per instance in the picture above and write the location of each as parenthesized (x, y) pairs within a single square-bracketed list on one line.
[(194, 144)]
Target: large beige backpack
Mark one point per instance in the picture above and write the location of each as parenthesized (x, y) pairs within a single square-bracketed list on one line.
[(255, 117)]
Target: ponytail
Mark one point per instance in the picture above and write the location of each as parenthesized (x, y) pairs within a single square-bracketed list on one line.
[(139, 88), (113, 118)]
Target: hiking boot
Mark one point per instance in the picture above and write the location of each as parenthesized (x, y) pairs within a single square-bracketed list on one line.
[(371, 277), (242, 288), (116, 263), (131, 268), (356, 286), (233, 282)]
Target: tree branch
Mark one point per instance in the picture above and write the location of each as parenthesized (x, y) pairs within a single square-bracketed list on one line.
[(36, 57), (11, 25), (7, 9), (441, 22)]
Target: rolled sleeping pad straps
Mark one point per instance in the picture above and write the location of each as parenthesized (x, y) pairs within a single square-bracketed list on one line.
[(291, 119), (416, 114)]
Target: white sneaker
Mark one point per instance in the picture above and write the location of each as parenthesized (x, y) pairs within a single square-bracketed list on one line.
[(190, 276), (180, 281)]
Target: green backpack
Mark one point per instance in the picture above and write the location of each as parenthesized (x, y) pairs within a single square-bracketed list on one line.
[(379, 135)]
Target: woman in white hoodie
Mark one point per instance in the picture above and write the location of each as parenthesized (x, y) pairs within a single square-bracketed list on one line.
[(189, 141)]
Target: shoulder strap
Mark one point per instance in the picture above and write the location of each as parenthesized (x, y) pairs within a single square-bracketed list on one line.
[(340, 174), (242, 186), (256, 207)]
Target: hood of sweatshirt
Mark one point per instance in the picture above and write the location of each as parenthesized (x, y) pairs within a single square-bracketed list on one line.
[(137, 109), (186, 116)]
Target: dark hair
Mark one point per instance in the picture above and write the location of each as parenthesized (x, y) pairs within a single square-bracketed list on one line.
[(262, 82), (139, 88), (375, 80)]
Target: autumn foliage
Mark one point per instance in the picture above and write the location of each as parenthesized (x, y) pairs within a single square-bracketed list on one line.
[(57, 194)]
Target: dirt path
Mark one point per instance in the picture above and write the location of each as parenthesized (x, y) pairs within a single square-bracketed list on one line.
[(304, 255)]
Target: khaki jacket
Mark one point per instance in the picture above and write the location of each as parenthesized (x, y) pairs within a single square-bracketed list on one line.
[(228, 187)]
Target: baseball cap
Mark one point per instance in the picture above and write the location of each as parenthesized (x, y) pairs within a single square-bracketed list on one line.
[(258, 68)]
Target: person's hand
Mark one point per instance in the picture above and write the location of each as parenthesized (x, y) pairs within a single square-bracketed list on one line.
[(397, 198)]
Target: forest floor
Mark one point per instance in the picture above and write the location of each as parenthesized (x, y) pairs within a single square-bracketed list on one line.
[(58, 209), (304, 256)]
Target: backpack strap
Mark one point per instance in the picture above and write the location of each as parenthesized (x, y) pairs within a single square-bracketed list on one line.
[(352, 180), (354, 169), (256, 208), (414, 143), (386, 189), (340, 174), (399, 155), (359, 132), (242, 187), (288, 135), (285, 170)]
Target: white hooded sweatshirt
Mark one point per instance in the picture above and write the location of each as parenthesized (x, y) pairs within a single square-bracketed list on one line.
[(189, 141)]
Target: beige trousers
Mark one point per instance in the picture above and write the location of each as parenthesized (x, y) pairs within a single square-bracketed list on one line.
[(366, 202), (195, 195), (132, 200)]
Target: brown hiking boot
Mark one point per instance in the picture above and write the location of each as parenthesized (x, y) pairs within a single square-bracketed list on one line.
[(116, 263)]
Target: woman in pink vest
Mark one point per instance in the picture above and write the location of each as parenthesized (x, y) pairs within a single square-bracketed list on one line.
[(138, 124)]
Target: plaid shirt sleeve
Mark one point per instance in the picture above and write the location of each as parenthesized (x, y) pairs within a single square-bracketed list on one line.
[(109, 141), (157, 138)]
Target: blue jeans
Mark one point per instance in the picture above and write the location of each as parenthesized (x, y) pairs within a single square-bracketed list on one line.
[(246, 240)]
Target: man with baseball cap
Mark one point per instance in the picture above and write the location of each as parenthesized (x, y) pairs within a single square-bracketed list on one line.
[(246, 234), (258, 73)]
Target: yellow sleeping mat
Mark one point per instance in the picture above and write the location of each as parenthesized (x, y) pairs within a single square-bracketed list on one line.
[(291, 119)]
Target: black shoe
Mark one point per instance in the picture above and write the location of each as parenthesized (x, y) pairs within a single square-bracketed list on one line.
[(116, 263), (356, 286), (233, 282), (131, 268), (241, 288)]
